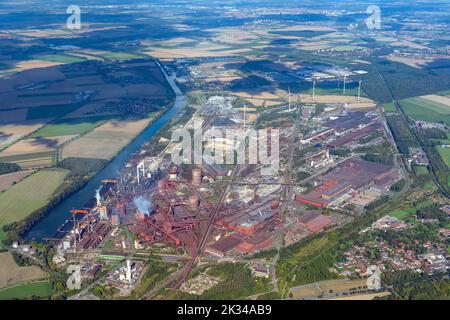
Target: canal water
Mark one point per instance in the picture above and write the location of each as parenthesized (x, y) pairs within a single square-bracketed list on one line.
[(47, 227)]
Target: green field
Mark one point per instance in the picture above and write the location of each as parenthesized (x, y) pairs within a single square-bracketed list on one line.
[(421, 170), (445, 154), (421, 109), (402, 214), (41, 289), (390, 107), (30, 194), (61, 58), (406, 212), (120, 56), (70, 126)]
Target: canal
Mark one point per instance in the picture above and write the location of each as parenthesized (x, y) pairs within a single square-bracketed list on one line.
[(47, 227)]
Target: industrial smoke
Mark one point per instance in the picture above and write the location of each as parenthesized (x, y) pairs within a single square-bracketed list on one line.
[(143, 205)]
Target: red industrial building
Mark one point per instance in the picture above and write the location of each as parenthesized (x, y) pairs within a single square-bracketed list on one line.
[(248, 223), (351, 174), (354, 135), (222, 246), (314, 221), (259, 241)]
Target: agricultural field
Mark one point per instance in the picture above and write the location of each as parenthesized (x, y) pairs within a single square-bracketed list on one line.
[(9, 179), (351, 101), (56, 91), (79, 98), (445, 154), (34, 152), (32, 160), (41, 289), (316, 289), (25, 65), (70, 126), (261, 95), (412, 62), (59, 58), (304, 292), (341, 285), (11, 273), (350, 91), (35, 145), (120, 56), (194, 52), (111, 136), (262, 103), (368, 296), (30, 194), (10, 133), (432, 108)]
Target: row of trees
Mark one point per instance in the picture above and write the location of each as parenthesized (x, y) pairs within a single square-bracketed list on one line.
[(401, 131)]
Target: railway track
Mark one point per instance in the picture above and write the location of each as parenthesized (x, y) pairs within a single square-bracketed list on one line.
[(212, 217)]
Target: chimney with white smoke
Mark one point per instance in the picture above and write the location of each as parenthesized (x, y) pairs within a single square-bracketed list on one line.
[(98, 197)]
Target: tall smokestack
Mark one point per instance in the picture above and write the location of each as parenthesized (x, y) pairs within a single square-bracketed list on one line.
[(128, 275), (196, 177), (193, 202)]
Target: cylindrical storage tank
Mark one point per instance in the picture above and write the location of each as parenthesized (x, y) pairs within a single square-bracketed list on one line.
[(193, 202), (196, 177)]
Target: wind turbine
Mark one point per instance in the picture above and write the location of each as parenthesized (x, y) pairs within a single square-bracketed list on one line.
[(359, 90), (245, 115), (314, 90), (289, 95), (345, 78)]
